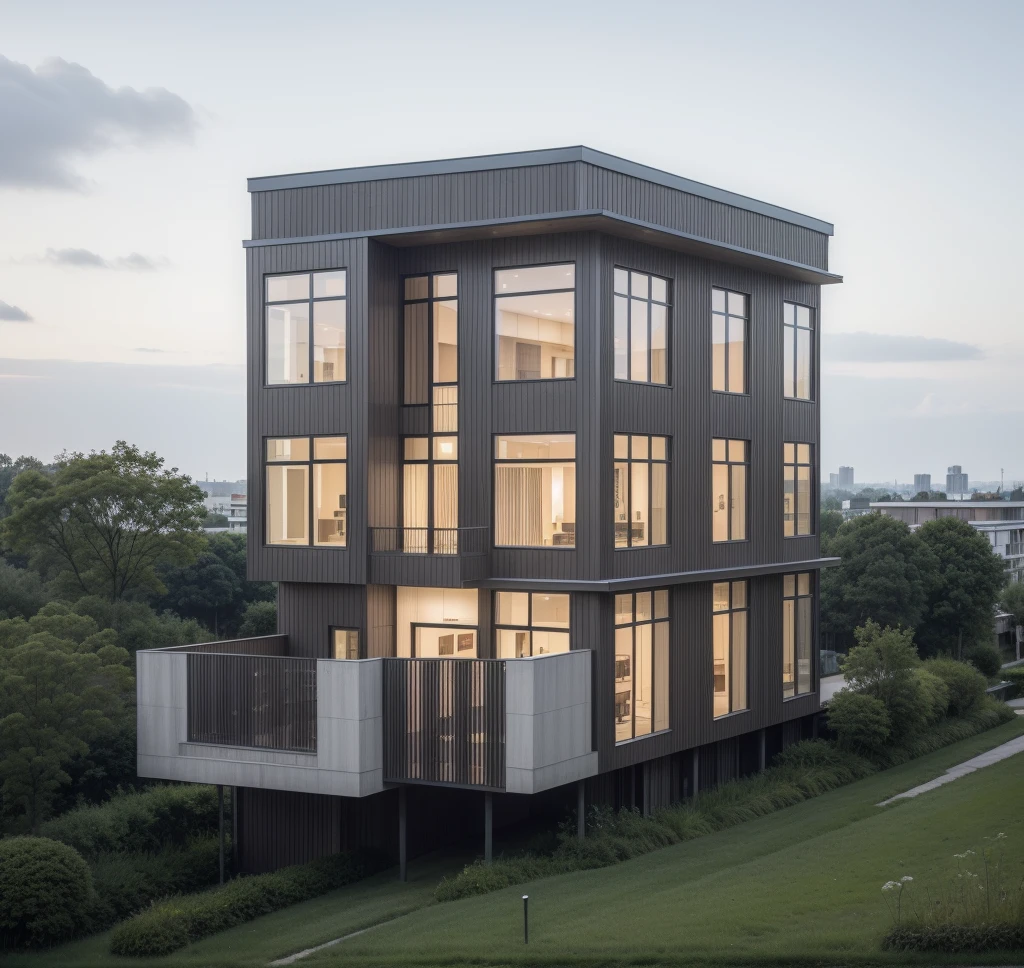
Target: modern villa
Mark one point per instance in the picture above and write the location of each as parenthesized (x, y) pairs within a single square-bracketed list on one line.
[(533, 447)]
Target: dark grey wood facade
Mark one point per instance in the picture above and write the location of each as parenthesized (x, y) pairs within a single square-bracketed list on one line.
[(350, 587)]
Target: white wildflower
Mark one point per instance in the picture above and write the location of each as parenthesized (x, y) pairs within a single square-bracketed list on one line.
[(906, 878), (1000, 836), (889, 885)]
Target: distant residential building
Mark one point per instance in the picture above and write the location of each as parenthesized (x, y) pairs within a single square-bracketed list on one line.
[(922, 482), (846, 477), (956, 481), (855, 507), (833, 480), (1002, 522), (233, 506)]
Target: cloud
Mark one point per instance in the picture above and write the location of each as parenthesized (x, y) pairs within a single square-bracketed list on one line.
[(86, 259), (13, 314), (54, 115), (890, 348)]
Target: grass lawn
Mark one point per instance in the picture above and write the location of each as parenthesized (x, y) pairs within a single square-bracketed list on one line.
[(802, 884)]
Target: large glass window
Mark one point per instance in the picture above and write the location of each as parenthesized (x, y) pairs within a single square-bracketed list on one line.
[(728, 341), (641, 490), (535, 490), (730, 646), (431, 345), (730, 469), (797, 635), (530, 623), (307, 491), (641, 327), (344, 643), (535, 322), (306, 327), (641, 664), (796, 497), (798, 351), (430, 495)]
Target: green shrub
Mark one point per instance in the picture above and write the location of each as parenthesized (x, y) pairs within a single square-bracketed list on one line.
[(861, 722), (965, 684), (956, 938), (45, 891), (1016, 676), (147, 821), (986, 659), (172, 924), (988, 714), (934, 692), (127, 883)]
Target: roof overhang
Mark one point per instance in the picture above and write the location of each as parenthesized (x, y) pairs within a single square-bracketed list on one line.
[(590, 220), (609, 585)]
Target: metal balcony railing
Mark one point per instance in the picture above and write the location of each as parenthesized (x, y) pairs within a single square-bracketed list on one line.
[(428, 541)]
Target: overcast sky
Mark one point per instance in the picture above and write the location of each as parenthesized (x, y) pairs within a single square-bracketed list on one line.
[(127, 131)]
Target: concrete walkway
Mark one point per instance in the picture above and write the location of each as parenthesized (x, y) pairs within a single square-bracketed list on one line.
[(1003, 752), (299, 955)]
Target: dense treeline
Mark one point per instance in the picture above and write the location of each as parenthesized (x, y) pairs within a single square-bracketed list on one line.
[(100, 555)]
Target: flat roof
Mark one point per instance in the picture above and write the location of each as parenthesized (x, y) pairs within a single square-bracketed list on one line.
[(523, 159), (948, 504)]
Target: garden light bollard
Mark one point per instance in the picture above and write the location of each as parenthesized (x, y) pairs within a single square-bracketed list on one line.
[(526, 919)]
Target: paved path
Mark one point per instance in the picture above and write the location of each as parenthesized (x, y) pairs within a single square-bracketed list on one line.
[(1011, 748), (291, 959)]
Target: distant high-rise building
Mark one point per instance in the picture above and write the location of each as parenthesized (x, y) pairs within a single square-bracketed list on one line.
[(846, 477), (956, 480), (922, 482), (833, 480)]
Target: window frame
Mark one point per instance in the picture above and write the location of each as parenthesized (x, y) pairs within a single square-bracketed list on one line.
[(746, 490), (331, 629), (629, 297), (745, 392), (311, 485), (529, 627), (649, 461), (730, 657), (311, 299), (796, 464), (794, 345), (430, 462), (811, 632), (495, 296), (495, 461), (429, 300), (666, 620)]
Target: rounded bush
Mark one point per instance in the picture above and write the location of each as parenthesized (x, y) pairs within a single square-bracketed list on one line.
[(986, 659), (934, 692), (45, 891), (861, 722), (966, 685)]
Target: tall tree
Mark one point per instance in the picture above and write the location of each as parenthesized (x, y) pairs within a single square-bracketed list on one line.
[(963, 596), (885, 575), (829, 523), (101, 523)]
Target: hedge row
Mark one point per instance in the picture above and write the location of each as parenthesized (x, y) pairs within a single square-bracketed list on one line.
[(801, 772), (176, 922), (956, 938), (805, 770), (1016, 676), (134, 822)]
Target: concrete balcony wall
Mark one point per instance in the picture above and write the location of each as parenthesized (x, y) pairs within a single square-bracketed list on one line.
[(548, 739)]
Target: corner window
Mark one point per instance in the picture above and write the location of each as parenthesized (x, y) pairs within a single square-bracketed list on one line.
[(307, 491), (798, 351), (796, 489), (530, 623), (641, 664), (431, 347), (641, 490), (344, 643), (641, 327), (306, 327), (535, 322), (728, 341), (535, 491), (430, 495), (797, 632), (730, 646), (730, 469)]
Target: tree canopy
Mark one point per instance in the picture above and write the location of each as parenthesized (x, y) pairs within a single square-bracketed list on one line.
[(103, 522)]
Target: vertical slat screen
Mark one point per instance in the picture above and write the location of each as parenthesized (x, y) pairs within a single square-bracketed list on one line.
[(444, 721)]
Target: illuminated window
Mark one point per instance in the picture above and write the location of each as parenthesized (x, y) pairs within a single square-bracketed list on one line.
[(641, 490), (796, 489), (307, 491), (535, 322), (535, 490), (641, 664), (728, 341), (641, 327), (306, 327), (797, 634), (530, 623), (730, 646), (798, 351), (344, 643), (730, 469)]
